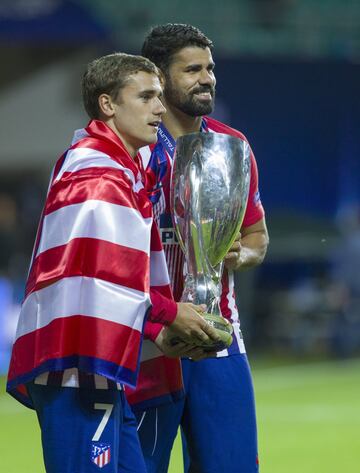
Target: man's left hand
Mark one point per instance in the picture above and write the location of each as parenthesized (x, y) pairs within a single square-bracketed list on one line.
[(232, 259), (249, 247)]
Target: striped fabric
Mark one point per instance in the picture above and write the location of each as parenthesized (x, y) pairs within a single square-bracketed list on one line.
[(172, 250), (84, 311)]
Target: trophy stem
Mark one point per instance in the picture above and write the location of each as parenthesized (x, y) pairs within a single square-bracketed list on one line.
[(204, 288)]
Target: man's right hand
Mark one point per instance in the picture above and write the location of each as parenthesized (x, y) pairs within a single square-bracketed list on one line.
[(191, 327)]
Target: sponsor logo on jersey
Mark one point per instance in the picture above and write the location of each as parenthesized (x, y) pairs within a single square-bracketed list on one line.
[(168, 236), (100, 454), (166, 139)]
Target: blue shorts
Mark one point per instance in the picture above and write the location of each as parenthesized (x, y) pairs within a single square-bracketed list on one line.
[(217, 418), (86, 430)]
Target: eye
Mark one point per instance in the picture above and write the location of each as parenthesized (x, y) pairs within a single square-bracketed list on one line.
[(193, 69)]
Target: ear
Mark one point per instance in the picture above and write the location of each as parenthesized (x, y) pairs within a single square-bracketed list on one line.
[(106, 105)]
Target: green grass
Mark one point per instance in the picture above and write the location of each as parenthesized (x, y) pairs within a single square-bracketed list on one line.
[(308, 420), (309, 417)]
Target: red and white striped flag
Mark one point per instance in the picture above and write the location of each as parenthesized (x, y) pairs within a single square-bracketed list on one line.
[(88, 289)]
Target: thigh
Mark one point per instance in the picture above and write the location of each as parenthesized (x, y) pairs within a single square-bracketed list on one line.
[(81, 429), (219, 420), (157, 429)]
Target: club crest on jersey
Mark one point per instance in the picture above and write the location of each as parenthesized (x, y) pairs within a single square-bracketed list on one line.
[(257, 200), (100, 454)]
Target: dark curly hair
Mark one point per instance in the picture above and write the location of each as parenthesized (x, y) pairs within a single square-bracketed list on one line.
[(163, 41)]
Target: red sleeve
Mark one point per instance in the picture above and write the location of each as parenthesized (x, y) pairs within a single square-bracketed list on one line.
[(163, 309), (152, 330), (163, 312), (254, 209)]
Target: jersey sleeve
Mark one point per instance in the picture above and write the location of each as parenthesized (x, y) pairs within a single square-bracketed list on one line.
[(164, 309), (254, 209)]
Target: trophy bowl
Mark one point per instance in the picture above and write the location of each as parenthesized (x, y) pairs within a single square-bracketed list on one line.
[(208, 196)]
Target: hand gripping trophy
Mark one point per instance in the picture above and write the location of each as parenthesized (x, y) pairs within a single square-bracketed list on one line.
[(209, 191)]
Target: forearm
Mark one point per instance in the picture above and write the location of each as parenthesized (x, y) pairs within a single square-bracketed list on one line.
[(253, 250), (249, 248)]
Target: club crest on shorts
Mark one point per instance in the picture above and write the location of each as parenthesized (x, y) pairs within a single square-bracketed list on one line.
[(100, 454)]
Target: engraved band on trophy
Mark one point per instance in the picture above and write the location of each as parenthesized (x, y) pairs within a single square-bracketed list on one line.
[(209, 191)]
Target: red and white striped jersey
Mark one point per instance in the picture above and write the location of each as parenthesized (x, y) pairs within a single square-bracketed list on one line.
[(88, 288), (157, 159)]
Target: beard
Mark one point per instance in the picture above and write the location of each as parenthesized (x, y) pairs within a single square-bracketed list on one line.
[(189, 103)]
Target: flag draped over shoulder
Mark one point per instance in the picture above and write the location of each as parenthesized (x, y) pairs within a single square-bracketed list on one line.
[(88, 289)]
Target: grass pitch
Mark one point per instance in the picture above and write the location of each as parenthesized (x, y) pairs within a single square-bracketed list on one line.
[(308, 421)]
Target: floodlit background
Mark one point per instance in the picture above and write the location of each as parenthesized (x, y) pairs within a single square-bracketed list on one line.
[(289, 77)]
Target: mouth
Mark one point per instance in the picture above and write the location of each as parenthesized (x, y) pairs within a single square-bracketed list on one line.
[(204, 95), (155, 124)]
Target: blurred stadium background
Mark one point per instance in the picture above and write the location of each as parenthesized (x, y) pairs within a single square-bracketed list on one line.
[(289, 77)]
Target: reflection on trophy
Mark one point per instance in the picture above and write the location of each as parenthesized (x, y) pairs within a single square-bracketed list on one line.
[(209, 191)]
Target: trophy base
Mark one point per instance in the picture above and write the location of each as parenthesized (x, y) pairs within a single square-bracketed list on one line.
[(224, 330)]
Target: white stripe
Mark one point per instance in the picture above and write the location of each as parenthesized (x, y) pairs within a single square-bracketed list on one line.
[(96, 219), (222, 353), (156, 431), (79, 135), (238, 336), (70, 378), (83, 296), (149, 351), (83, 158), (145, 155), (141, 421), (230, 299), (158, 270)]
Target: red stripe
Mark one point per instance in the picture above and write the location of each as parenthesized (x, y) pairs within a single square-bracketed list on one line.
[(156, 244), (175, 262), (165, 290), (158, 377), (224, 303), (254, 210), (76, 335), (93, 258), (104, 184), (220, 127)]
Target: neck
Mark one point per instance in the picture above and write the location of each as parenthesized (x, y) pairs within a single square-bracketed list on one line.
[(130, 148), (179, 123)]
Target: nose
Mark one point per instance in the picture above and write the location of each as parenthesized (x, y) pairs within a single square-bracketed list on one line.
[(159, 108), (207, 77)]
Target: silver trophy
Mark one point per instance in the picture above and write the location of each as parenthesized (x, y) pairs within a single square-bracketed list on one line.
[(208, 196)]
